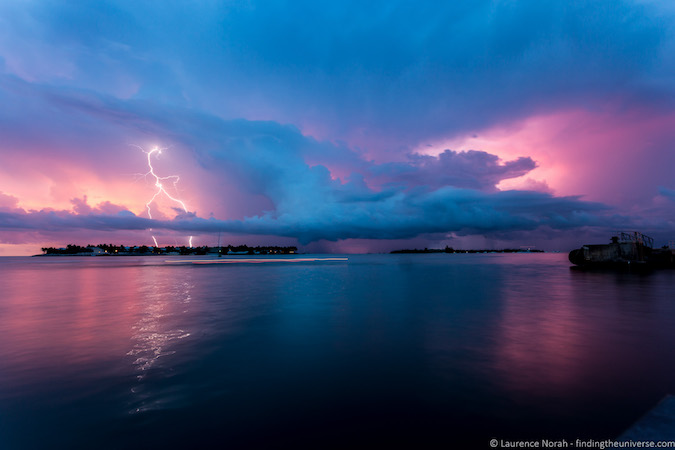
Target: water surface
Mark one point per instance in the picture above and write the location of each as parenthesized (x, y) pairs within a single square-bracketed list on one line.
[(429, 350)]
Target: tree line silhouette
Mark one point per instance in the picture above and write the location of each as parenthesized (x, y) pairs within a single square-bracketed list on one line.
[(111, 249), (452, 250)]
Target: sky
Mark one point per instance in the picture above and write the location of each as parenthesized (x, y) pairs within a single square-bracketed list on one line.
[(336, 126)]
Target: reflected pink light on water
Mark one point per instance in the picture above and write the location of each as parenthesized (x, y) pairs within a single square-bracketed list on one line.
[(541, 347), (561, 338), (88, 330), (140, 324)]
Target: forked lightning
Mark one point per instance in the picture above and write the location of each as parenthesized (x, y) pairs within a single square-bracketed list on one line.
[(159, 184)]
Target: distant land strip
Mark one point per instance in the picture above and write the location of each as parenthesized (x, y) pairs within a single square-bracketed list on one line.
[(124, 250), (452, 250)]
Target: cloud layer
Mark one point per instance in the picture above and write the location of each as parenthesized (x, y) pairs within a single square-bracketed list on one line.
[(399, 216), (331, 122), (382, 75), (263, 165)]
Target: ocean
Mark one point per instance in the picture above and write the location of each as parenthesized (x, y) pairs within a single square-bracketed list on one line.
[(421, 350)]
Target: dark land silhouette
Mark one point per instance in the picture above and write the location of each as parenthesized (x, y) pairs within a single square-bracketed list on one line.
[(452, 250), (121, 250)]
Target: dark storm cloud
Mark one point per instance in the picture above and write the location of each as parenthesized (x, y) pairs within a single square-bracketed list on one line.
[(399, 216), (387, 74), (471, 169), (300, 119), (453, 192)]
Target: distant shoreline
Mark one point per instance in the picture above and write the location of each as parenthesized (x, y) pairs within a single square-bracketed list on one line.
[(451, 250), (144, 250)]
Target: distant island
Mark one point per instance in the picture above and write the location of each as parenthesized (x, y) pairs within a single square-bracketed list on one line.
[(452, 250), (122, 250)]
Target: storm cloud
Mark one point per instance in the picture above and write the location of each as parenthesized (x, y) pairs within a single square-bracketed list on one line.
[(266, 163), (336, 121)]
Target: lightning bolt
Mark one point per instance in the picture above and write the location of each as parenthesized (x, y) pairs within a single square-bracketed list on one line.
[(159, 184)]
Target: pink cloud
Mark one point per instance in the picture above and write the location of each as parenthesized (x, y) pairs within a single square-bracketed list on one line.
[(618, 157), (257, 178), (8, 202), (80, 206)]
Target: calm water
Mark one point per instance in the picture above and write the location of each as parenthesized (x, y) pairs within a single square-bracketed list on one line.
[(429, 350)]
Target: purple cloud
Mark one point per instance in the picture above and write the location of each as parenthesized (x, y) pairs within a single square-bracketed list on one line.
[(302, 120), (263, 167), (381, 76), (402, 215), (471, 169)]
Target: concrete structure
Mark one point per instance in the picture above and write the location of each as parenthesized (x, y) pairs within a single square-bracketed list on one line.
[(626, 249), (657, 425)]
